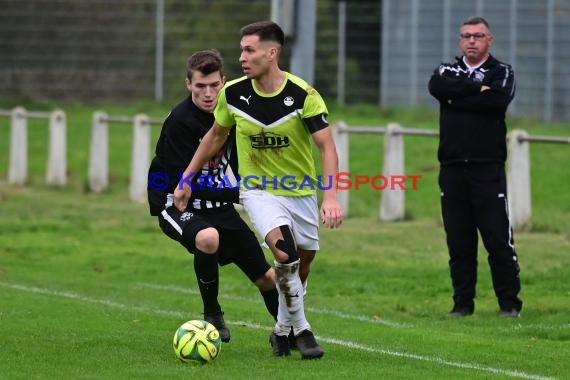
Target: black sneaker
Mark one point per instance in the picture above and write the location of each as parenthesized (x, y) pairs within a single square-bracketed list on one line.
[(217, 319), (509, 313), (460, 311), (292, 341), (308, 345), (279, 345)]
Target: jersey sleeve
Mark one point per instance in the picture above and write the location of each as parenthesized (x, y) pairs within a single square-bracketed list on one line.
[(222, 113), (315, 111), (444, 84), (314, 104)]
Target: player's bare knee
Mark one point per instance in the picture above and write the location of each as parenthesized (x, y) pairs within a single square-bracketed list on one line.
[(208, 240), (267, 281), (280, 257), (287, 245)]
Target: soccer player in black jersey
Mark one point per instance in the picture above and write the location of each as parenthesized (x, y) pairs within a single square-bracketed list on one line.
[(209, 228)]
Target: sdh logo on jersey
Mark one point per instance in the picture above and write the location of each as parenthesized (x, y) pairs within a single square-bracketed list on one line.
[(267, 140)]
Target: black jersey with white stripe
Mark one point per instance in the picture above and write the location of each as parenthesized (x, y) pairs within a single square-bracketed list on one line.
[(181, 134)]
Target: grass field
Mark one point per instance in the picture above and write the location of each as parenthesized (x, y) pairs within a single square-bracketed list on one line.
[(91, 289)]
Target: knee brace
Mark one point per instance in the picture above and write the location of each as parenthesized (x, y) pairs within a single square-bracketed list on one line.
[(287, 244)]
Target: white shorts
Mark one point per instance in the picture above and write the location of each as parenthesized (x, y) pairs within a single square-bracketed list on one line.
[(267, 212)]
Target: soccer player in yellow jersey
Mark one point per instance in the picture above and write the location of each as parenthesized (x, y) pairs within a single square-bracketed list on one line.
[(276, 114)]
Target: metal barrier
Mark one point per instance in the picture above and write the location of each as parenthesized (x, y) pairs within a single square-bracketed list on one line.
[(18, 163), (392, 203), (98, 172)]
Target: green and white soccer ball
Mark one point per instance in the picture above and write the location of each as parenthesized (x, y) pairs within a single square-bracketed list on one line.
[(197, 341)]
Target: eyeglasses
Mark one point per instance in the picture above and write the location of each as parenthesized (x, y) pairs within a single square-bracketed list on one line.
[(478, 36)]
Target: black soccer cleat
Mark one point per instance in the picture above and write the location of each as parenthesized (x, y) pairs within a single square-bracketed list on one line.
[(461, 311), (217, 319), (308, 346), (509, 313), (292, 341), (279, 345)]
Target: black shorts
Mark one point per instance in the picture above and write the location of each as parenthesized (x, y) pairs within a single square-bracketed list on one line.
[(238, 243)]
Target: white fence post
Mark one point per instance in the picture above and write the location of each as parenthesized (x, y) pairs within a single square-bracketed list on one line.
[(518, 180), (392, 203), (57, 164), (18, 167), (340, 136), (140, 159), (99, 153)]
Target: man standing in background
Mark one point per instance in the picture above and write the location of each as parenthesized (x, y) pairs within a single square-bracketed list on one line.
[(474, 93)]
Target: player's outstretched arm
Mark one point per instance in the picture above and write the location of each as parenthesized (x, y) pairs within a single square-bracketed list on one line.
[(211, 144), (331, 212)]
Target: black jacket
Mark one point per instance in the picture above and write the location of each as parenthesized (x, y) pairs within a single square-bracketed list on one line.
[(472, 122)]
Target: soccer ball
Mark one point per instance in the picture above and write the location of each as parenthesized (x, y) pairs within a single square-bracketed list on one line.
[(197, 341)]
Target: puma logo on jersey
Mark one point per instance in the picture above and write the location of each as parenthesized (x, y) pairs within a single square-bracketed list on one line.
[(245, 99)]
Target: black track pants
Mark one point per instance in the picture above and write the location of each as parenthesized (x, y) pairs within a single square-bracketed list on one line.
[(474, 198)]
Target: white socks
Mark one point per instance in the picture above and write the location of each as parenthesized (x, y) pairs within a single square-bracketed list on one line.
[(291, 310)]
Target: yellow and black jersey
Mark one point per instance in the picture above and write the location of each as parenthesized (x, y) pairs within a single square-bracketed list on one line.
[(273, 133)]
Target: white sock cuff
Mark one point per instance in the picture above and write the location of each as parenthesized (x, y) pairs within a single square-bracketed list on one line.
[(283, 265), (281, 329)]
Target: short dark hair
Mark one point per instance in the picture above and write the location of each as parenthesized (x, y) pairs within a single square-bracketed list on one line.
[(266, 30), (476, 20), (206, 62)]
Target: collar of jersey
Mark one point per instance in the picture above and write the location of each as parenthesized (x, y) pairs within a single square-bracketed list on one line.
[(271, 94)]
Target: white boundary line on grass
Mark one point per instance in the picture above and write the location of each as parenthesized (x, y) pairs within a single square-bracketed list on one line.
[(430, 359), (329, 312), (343, 343)]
